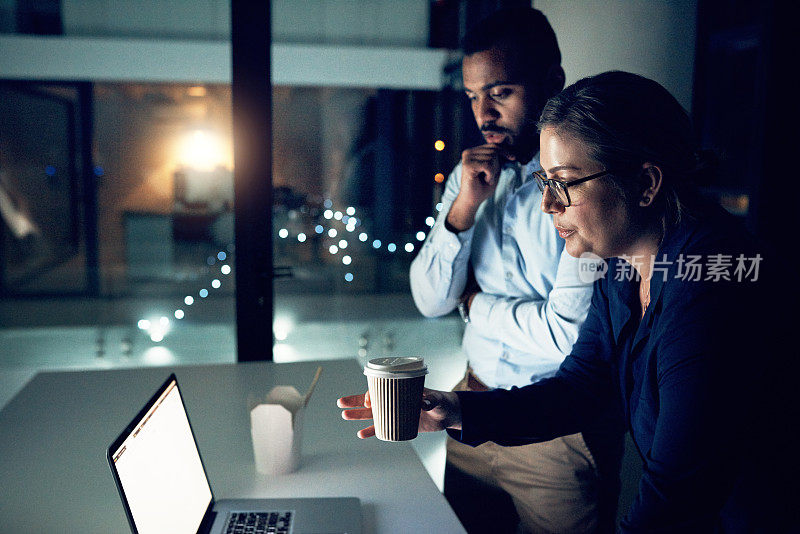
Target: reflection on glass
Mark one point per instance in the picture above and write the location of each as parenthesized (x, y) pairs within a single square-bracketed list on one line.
[(40, 242), (351, 188)]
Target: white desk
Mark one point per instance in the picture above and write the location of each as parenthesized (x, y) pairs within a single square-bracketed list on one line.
[(54, 434)]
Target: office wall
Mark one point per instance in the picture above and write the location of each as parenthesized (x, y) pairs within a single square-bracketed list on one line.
[(7, 14), (195, 19), (340, 22), (654, 38)]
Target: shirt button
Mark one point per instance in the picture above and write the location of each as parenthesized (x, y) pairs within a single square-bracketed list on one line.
[(504, 355), (509, 275), (507, 229)]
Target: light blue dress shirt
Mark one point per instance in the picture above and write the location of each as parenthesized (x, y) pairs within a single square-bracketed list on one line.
[(533, 301)]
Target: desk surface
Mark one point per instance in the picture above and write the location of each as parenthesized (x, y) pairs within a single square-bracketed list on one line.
[(54, 434)]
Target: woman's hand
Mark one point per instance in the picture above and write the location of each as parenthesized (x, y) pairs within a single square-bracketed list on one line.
[(440, 410)]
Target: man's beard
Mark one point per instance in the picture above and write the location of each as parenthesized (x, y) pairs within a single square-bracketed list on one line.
[(523, 144), (493, 128)]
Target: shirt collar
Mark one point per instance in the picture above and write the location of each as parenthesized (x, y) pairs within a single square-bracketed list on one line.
[(529, 168), (675, 240), (625, 293), (621, 295)]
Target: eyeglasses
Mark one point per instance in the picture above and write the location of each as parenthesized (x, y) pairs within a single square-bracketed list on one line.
[(559, 188)]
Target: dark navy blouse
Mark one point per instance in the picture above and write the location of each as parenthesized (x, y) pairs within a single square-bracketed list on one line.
[(687, 377)]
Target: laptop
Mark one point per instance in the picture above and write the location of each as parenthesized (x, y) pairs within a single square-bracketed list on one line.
[(164, 486)]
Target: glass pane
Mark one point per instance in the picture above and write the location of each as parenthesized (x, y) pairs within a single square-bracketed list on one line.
[(95, 284), (355, 176), (40, 236), (162, 175), (166, 213)]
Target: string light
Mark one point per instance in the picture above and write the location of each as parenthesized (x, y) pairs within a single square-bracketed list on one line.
[(348, 219), (439, 145), (438, 177), (155, 329), (281, 327), (157, 332)]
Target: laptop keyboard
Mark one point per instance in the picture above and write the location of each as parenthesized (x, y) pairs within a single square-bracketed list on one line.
[(260, 523)]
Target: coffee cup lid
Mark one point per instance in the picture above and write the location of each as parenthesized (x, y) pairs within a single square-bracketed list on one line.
[(407, 367)]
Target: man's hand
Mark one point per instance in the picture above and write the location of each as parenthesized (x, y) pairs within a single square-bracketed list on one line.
[(480, 171)]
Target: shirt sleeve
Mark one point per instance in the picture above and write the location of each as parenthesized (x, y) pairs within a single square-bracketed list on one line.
[(540, 326), (582, 389), (438, 274)]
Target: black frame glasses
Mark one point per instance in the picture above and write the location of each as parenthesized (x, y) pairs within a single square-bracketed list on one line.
[(559, 188)]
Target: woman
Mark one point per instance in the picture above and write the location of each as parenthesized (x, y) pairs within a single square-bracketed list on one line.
[(666, 332)]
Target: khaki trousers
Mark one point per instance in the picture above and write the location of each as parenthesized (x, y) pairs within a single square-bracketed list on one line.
[(554, 486)]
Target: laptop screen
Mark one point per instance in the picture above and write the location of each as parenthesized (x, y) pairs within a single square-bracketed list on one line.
[(159, 468)]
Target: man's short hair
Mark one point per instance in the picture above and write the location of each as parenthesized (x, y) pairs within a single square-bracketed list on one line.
[(523, 33)]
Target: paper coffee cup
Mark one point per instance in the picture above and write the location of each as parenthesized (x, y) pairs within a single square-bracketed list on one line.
[(395, 389)]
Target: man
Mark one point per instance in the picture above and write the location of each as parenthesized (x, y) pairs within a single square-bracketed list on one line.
[(497, 256)]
